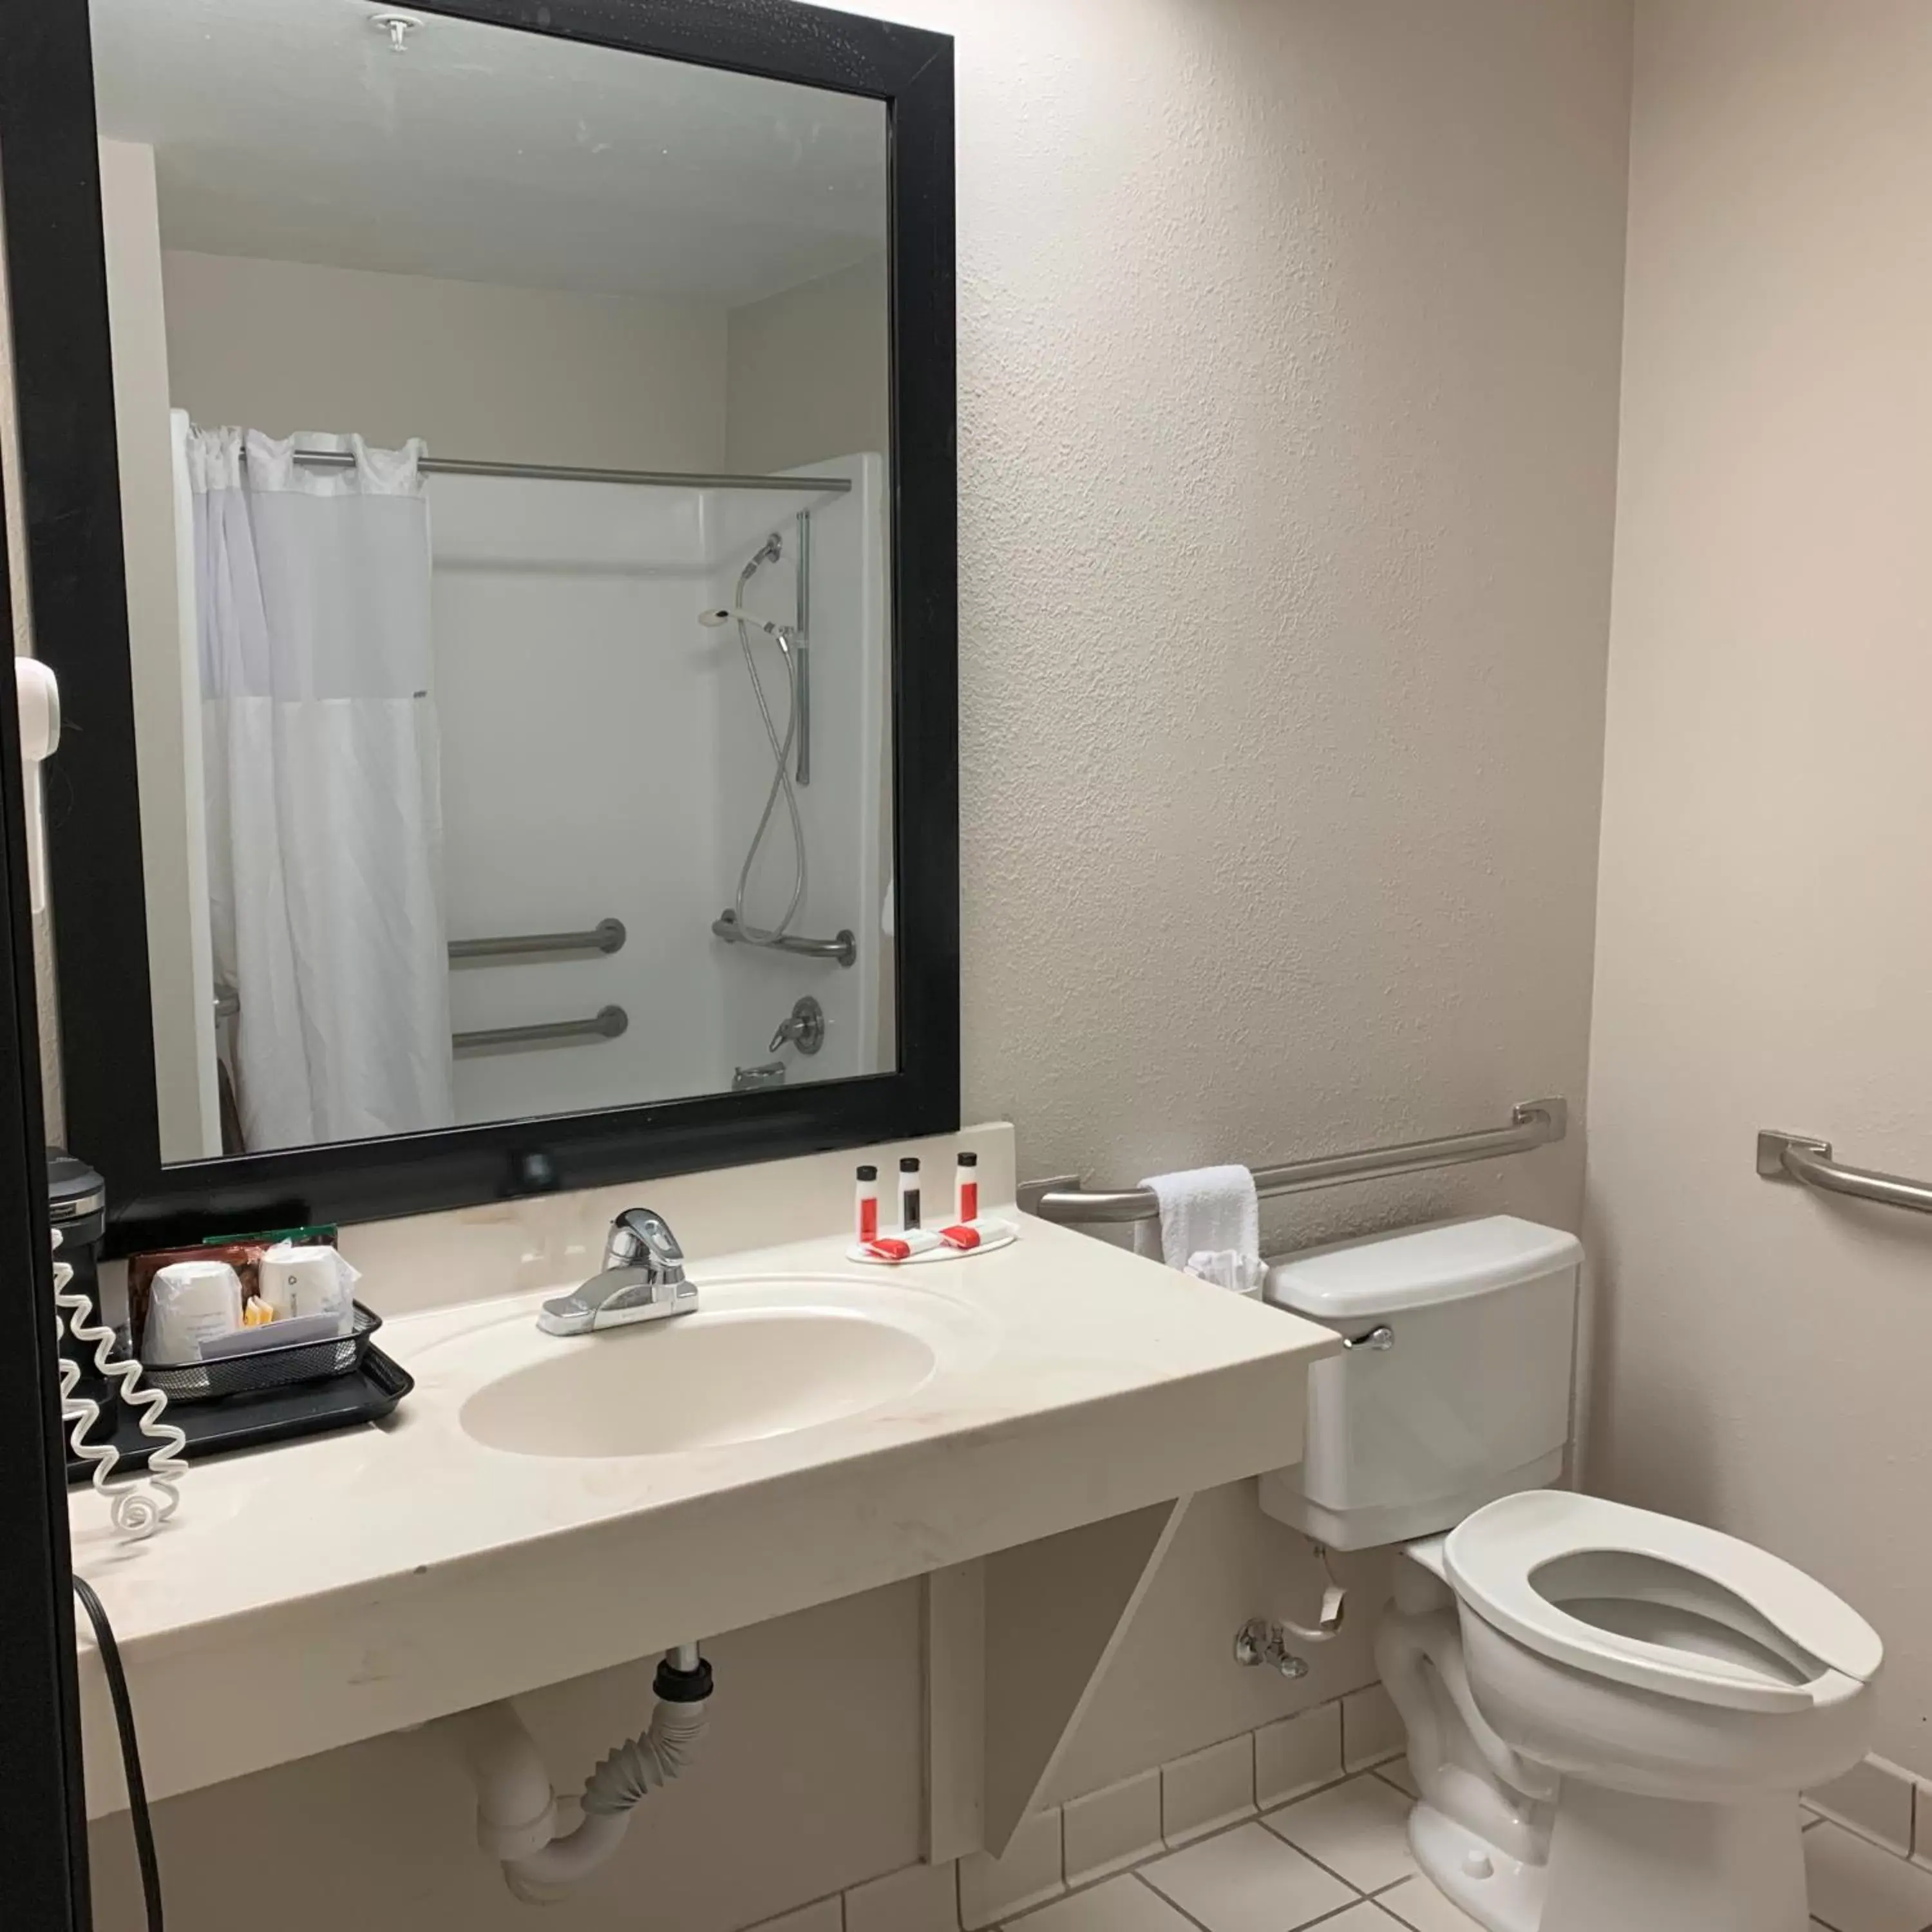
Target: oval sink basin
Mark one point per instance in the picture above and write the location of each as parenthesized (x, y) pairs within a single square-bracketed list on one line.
[(758, 1360)]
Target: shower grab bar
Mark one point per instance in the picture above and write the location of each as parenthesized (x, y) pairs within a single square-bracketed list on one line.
[(607, 936), (1797, 1157), (610, 1024), (844, 949), (801, 646), (1533, 1123)]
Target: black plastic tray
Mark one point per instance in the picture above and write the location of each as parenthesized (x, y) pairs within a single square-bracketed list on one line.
[(250, 1421)]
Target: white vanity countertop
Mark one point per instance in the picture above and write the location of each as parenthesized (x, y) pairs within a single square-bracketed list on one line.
[(310, 1595)]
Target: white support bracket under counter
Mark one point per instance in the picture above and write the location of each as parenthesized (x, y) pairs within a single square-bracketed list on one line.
[(1017, 1645)]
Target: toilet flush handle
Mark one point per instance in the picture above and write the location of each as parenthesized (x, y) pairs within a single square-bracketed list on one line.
[(1380, 1339)]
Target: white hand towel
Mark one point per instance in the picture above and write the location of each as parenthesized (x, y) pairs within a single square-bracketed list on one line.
[(1207, 1210)]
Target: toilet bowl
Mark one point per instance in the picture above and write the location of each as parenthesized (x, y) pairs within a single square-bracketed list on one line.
[(1610, 1713)]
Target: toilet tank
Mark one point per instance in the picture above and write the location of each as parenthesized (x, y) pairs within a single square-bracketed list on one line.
[(1470, 1402)]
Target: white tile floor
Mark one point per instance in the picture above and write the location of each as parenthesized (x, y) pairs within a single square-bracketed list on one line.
[(1338, 1862)]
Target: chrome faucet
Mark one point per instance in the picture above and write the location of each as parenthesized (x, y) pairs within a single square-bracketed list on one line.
[(644, 1280)]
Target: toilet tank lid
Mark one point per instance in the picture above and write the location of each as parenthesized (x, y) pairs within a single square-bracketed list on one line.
[(1418, 1267)]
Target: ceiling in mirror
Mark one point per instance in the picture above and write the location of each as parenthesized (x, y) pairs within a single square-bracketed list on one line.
[(506, 432), (295, 130)]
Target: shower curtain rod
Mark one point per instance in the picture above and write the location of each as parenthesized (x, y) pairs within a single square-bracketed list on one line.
[(457, 466)]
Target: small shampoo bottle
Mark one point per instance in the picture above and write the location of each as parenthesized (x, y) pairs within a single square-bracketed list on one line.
[(866, 1208), (966, 1187)]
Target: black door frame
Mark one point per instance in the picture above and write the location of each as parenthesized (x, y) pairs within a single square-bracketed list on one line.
[(44, 1880)]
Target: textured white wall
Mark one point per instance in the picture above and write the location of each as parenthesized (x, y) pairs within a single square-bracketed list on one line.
[(1289, 354), (1765, 936), (1289, 358), (1288, 335)]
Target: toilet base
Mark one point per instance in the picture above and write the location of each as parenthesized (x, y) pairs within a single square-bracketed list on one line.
[(1618, 1860), (1500, 1893)]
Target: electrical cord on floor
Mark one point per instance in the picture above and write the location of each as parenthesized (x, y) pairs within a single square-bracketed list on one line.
[(130, 1749)]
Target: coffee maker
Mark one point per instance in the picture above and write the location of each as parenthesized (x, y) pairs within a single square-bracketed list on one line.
[(77, 1210)]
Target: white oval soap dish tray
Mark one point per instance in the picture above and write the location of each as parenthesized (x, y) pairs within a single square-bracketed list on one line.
[(993, 1234)]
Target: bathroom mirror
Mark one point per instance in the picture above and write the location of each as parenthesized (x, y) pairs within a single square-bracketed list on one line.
[(509, 655)]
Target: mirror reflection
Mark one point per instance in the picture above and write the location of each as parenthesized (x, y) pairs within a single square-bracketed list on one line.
[(504, 430)]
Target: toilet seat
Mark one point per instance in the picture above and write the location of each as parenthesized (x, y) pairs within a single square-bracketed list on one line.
[(1786, 1641)]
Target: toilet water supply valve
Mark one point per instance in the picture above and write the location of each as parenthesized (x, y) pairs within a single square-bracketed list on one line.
[(1260, 1641), (517, 1805)]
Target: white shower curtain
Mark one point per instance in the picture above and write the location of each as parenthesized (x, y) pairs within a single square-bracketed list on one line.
[(312, 593)]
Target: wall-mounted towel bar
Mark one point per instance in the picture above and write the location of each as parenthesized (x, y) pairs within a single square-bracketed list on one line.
[(844, 949), (1533, 1123), (607, 936), (608, 1024), (1809, 1163)]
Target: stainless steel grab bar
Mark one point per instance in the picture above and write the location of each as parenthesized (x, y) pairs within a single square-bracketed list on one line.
[(844, 949), (610, 1024), (1809, 1163), (607, 936), (1533, 1123)]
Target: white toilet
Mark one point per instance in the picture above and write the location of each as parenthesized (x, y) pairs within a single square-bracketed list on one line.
[(1610, 1713)]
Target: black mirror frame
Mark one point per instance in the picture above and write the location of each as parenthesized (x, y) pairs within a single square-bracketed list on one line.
[(50, 194)]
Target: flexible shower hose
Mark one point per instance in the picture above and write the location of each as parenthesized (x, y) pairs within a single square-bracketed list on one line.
[(781, 780)]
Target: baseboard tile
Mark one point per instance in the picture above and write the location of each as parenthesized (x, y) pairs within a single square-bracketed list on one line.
[(1112, 1829), (1876, 1800)]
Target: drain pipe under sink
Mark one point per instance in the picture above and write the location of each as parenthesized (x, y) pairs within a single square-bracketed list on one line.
[(516, 1803)]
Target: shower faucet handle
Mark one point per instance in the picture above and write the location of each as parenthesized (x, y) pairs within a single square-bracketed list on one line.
[(805, 1029)]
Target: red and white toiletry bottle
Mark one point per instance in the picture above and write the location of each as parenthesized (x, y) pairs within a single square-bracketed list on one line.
[(909, 1210), (866, 1210), (966, 1188)]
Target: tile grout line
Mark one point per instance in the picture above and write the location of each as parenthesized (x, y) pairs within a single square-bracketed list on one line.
[(1307, 1925), (1360, 1897), (1179, 1911), (1352, 1778), (1137, 1869), (1264, 1809)]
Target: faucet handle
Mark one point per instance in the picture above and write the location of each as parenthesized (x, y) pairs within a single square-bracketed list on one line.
[(640, 1238)]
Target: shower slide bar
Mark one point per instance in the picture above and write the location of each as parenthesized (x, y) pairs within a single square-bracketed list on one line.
[(1797, 1157), (607, 936), (1533, 1123), (610, 1024), (552, 473), (844, 949)]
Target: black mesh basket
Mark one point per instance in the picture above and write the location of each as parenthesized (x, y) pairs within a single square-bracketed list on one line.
[(271, 1365)]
